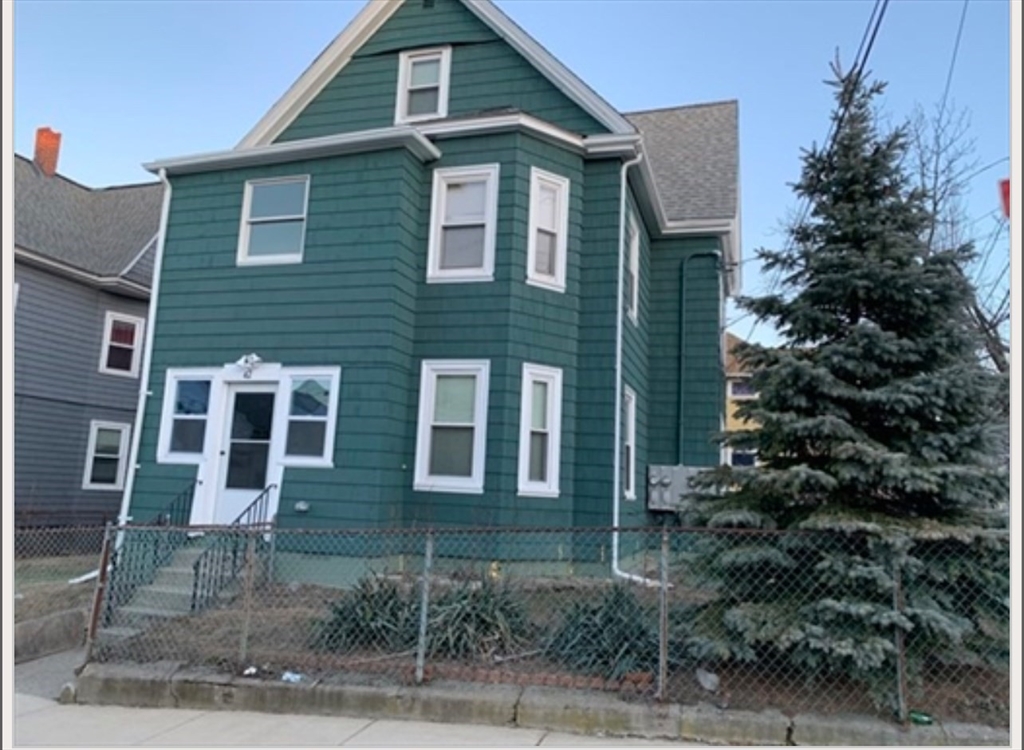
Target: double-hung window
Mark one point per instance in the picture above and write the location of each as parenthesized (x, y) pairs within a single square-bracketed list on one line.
[(629, 443), (452, 430), (463, 224), (423, 85), (540, 431), (273, 221), (312, 416), (186, 412), (631, 288), (122, 345), (549, 230), (106, 456)]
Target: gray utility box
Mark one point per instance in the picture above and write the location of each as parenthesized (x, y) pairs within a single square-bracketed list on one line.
[(668, 487)]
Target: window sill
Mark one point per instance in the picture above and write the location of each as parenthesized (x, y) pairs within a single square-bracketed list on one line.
[(295, 462), (459, 279), (441, 486), (119, 373), (629, 496), (270, 260), (409, 119), (542, 283), (539, 492), (103, 487)]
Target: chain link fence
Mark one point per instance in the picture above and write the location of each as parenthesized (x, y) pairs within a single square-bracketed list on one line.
[(795, 621), (46, 560)]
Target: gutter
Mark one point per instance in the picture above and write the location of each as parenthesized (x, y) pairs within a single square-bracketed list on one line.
[(147, 359), (115, 283), (617, 450)]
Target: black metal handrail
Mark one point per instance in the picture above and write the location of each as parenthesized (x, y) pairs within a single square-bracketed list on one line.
[(179, 509), (219, 564)]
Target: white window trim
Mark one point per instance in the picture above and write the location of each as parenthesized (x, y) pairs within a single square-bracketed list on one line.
[(164, 454), (553, 377), (435, 274), (242, 256), (629, 438), (728, 453), (122, 456), (740, 396), (539, 177), (633, 259), (405, 61), (140, 330), (289, 376), (430, 369)]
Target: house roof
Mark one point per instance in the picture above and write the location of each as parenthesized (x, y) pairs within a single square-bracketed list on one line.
[(105, 232), (694, 155), (732, 364)]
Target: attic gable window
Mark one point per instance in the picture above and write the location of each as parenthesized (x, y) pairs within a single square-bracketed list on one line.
[(273, 221), (423, 85), (463, 224)]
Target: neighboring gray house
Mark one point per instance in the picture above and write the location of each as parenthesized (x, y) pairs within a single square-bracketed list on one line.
[(82, 273)]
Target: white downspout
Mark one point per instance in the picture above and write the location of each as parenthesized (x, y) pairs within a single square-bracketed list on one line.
[(617, 451), (147, 355)]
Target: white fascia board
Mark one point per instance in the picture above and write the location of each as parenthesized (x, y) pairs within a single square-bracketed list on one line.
[(115, 283), (310, 148), (563, 78), (321, 72)]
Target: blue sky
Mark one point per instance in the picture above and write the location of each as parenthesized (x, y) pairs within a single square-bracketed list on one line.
[(128, 81)]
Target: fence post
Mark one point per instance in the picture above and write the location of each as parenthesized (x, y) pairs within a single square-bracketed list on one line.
[(250, 553), (663, 618), (421, 643), (98, 596), (901, 652)]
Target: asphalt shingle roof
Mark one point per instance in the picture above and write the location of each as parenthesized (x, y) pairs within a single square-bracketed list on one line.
[(100, 231), (694, 155)]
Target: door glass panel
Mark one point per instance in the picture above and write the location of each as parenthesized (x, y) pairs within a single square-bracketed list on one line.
[(249, 450)]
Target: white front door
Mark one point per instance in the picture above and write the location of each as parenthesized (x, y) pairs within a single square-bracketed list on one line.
[(245, 449)]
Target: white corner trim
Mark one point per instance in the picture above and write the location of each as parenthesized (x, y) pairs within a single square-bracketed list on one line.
[(311, 148), (138, 343), (322, 71), (552, 376), (124, 430), (423, 481), (442, 176), (406, 59)]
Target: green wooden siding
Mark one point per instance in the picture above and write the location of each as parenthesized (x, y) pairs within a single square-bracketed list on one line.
[(683, 273), (486, 74)]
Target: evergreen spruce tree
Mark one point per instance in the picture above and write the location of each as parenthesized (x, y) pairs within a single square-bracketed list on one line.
[(873, 441)]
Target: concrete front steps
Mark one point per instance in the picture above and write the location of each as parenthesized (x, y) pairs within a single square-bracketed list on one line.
[(168, 596)]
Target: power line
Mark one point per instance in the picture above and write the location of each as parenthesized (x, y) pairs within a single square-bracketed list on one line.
[(984, 169), (867, 42), (952, 60)]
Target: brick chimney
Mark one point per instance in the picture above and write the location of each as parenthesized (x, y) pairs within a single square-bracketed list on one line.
[(47, 151)]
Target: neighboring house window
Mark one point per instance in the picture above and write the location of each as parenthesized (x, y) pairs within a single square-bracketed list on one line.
[(312, 415), (631, 288), (629, 443), (540, 431), (423, 85), (122, 345), (742, 457), (549, 230), (185, 414), (273, 221), (105, 456), (463, 223), (742, 389), (452, 431)]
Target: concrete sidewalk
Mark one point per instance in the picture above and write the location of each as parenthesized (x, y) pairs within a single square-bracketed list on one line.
[(40, 722)]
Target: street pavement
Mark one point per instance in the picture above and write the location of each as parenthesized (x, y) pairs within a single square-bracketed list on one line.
[(39, 721)]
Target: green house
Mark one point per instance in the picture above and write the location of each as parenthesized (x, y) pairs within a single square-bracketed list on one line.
[(442, 282)]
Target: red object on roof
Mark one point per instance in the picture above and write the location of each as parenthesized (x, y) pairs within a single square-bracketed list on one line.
[(1004, 191)]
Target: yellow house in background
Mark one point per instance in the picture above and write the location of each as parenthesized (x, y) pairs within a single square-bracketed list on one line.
[(737, 390)]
